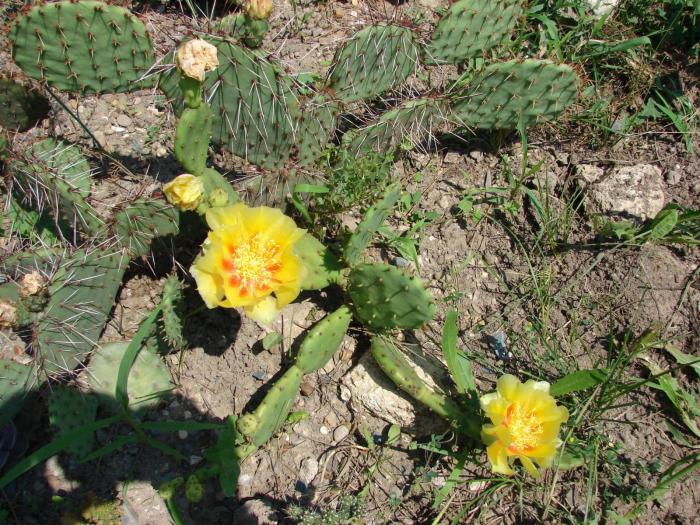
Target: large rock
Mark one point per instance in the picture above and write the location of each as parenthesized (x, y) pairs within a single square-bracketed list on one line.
[(628, 190)]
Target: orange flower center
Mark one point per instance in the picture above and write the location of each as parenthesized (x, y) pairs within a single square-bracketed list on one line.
[(524, 428), (252, 264)]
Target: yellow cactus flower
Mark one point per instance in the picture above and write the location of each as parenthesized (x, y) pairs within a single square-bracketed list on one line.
[(184, 191), (525, 421), (258, 9), (196, 57), (247, 257)]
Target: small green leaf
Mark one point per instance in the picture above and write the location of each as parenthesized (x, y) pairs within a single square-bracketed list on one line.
[(460, 367), (296, 416), (393, 434), (571, 459), (663, 223), (271, 340), (367, 435), (685, 359), (577, 381)]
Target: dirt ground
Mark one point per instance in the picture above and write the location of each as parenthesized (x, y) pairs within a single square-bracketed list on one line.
[(485, 271)]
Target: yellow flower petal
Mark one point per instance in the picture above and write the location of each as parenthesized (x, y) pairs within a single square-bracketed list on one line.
[(184, 191), (498, 458), (264, 311)]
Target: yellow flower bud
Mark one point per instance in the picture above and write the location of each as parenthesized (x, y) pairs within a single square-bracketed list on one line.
[(196, 57), (8, 314), (258, 9), (32, 284), (218, 198), (185, 191)]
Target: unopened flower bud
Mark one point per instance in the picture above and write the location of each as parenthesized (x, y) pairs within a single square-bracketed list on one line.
[(32, 283), (184, 191), (218, 198), (258, 9), (196, 57), (8, 314)]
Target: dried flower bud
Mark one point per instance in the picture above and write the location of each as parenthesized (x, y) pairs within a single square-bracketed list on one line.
[(8, 314), (196, 57), (258, 9), (32, 284)]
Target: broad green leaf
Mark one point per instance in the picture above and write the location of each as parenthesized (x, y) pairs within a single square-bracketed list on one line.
[(579, 380), (685, 359), (460, 367)]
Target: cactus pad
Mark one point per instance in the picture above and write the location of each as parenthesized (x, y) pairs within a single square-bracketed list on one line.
[(82, 293), (192, 138), (172, 302), (383, 298), (271, 413), (408, 123), (21, 108), (14, 384), (143, 220), (371, 222), (503, 94), (70, 409), (471, 27), (253, 105), (316, 128), (86, 46), (149, 378), (322, 267), (373, 61), (323, 340)]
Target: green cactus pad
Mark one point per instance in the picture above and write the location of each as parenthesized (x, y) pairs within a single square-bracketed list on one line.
[(272, 412), (149, 378), (21, 108), (502, 94), (85, 46), (371, 222), (316, 128), (192, 138), (172, 302), (323, 340), (383, 298), (56, 176), (82, 294), (373, 61), (322, 267), (135, 227), (471, 27), (408, 123), (15, 382), (395, 365), (254, 107), (70, 409)]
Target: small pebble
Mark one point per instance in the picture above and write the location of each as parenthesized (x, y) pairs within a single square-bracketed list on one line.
[(307, 388), (340, 433), (195, 459), (118, 129), (182, 434), (188, 414), (124, 120), (260, 375), (345, 393), (324, 430)]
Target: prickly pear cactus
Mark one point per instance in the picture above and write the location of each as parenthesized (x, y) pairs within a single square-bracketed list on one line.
[(192, 138), (254, 107), (55, 175), (323, 340), (149, 378), (82, 294), (322, 267), (508, 94), (136, 226), (471, 27), (372, 220), (373, 61), (15, 383), (172, 302), (86, 46), (21, 108), (409, 124), (384, 298), (316, 127), (69, 409)]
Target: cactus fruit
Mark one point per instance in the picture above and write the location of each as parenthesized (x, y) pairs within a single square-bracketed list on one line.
[(15, 382), (471, 27), (514, 93), (323, 340), (373, 61), (149, 378), (322, 267), (171, 302), (21, 108), (316, 128), (82, 293), (410, 122), (395, 365), (271, 413), (143, 220), (85, 46), (70, 409), (192, 138), (371, 222), (254, 107), (56, 175), (384, 298)]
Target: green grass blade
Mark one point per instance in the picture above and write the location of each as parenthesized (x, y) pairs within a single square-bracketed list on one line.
[(460, 367)]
